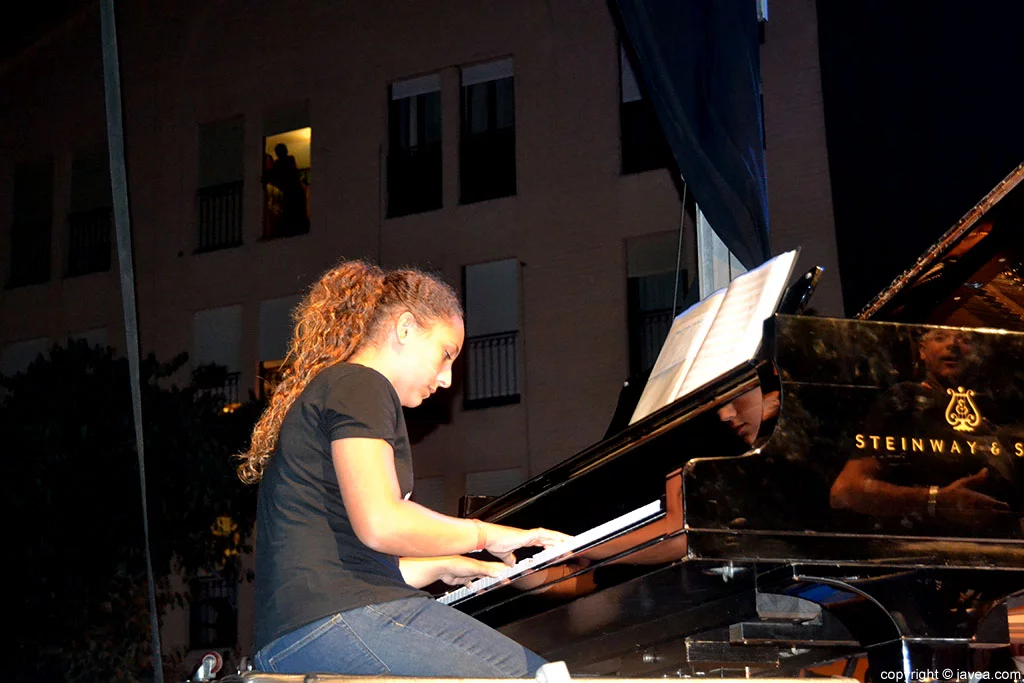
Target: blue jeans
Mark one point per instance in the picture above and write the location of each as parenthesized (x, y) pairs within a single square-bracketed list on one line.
[(409, 637)]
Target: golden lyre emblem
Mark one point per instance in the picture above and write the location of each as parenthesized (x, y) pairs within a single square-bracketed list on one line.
[(962, 413)]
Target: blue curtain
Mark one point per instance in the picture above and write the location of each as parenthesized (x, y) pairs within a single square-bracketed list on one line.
[(699, 63)]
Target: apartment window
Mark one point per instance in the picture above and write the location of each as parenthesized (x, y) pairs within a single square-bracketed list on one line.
[(487, 148), (30, 229), (652, 285), (219, 198), (213, 612), (274, 334), (287, 163), (643, 143), (491, 349), (216, 352), (414, 146), (90, 221)]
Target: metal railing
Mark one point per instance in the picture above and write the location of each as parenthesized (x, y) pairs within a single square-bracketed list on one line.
[(213, 612), (89, 241), (228, 390), (492, 370), (651, 335), (220, 216)]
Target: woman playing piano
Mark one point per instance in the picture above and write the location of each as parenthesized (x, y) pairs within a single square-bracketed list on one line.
[(340, 549)]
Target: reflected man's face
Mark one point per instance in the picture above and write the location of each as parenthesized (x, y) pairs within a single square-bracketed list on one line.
[(944, 354)]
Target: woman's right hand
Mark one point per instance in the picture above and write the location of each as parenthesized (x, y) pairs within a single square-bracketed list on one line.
[(503, 541)]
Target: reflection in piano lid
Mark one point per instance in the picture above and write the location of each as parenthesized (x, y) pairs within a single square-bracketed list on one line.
[(877, 512), (973, 276)]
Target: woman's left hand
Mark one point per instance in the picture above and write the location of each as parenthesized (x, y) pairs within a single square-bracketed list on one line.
[(461, 571)]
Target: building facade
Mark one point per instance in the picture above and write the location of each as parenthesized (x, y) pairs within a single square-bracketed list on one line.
[(501, 145)]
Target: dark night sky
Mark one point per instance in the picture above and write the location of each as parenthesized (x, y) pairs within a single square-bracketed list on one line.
[(923, 111)]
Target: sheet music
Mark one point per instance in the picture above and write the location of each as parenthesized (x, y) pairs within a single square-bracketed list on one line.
[(715, 335), (736, 333), (684, 339)]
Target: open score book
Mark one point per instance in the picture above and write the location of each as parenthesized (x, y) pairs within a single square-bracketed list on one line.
[(716, 334)]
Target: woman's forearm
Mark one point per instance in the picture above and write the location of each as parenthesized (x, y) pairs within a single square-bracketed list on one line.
[(408, 529)]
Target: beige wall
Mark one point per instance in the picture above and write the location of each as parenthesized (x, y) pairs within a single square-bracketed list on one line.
[(192, 62), (799, 190)]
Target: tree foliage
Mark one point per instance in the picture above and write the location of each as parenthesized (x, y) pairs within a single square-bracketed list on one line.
[(71, 498)]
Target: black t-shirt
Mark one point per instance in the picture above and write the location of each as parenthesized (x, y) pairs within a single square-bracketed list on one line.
[(309, 562)]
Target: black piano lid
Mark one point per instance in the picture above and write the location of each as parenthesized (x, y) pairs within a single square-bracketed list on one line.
[(973, 276)]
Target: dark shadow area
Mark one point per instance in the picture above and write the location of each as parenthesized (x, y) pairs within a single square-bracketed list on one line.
[(922, 112)]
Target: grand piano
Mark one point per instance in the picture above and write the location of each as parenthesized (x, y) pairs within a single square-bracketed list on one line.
[(853, 493)]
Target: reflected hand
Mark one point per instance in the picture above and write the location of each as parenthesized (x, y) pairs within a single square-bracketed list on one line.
[(960, 501), (502, 541), (553, 573)]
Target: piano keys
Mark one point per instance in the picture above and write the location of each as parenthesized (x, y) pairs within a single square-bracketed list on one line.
[(575, 545)]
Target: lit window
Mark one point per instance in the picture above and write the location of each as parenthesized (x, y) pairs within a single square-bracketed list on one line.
[(286, 176)]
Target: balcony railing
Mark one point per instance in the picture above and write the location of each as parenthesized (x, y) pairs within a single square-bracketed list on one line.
[(220, 216), (650, 337), (286, 209), (227, 390), (492, 370), (30, 252), (89, 241), (213, 612)]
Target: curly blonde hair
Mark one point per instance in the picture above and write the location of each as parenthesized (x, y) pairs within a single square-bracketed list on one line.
[(344, 310)]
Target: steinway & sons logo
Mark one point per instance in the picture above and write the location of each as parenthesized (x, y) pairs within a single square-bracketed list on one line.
[(962, 413)]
